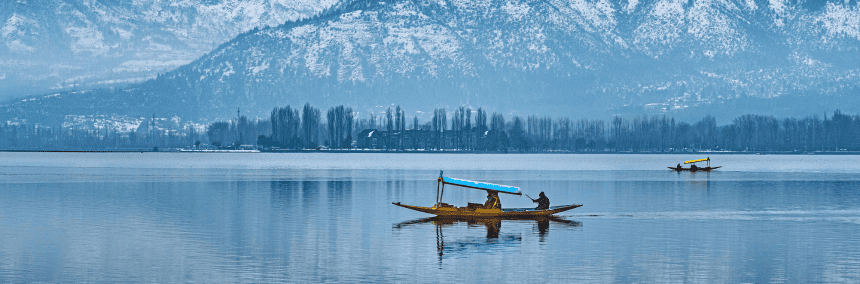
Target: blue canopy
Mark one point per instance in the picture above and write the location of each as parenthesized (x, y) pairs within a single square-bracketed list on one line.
[(482, 185)]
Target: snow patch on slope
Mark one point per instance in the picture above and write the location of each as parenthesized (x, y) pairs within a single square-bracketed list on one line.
[(663, 24), (148, 65), (706, 21), (11, 27), (778, 6), (841, 20), (85, 34), (598, 14), (516, 10), (751, 5), (16, 26), (259, 68), (631, 6)]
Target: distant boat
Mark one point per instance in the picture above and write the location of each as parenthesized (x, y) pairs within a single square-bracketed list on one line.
[(476, 210), (694, 168)]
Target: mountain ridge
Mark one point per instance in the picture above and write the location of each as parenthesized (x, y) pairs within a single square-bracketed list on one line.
[(583, 58), (65, 44)]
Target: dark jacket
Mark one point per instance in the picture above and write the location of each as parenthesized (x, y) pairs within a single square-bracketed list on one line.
[(543, 203)]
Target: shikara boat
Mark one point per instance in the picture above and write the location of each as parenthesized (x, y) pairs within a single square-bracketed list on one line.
[(696, 169), (476, 210)]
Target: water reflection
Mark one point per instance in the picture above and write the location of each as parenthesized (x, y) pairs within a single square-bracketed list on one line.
[(260, 226), (700, 180), (465, 244), (283, 192)]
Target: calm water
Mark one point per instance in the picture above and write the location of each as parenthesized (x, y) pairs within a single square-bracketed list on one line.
[(174, 217)]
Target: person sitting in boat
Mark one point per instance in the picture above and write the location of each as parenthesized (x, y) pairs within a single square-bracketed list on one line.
[(694, 167), (678, 166), (493, 201), (542, 201)]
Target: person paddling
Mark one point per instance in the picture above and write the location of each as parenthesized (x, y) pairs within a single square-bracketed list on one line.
[(542, 201)]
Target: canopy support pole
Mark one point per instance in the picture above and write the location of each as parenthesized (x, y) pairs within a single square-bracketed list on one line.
[(437, 195), (441, 193), (438, 183)]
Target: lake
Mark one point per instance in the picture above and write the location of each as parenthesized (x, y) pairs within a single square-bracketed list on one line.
[(325, 217)]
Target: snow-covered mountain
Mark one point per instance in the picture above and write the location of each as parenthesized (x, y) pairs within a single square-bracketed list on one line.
[(57, 44), (581, 58)]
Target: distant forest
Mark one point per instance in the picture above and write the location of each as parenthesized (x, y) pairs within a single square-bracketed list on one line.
[(463, 129)]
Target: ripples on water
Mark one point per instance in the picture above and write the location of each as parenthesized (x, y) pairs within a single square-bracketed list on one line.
[(154, 217)]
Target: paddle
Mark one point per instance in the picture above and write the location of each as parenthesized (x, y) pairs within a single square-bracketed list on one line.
[(529, 197)]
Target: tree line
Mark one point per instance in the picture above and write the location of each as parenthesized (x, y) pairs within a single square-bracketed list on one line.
[(466, 129), (25, 136), (479, 130)]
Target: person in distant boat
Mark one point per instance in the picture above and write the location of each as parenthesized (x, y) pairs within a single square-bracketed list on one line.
[(678, 166), (542, 201), (694, 167), (493, 201)]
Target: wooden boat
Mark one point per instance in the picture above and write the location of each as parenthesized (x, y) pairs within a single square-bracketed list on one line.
[(476, 210), (464, 212), (696, 169), (703, 169)]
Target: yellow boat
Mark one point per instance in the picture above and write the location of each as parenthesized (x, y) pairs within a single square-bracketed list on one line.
[(692, 169), (475, 210)]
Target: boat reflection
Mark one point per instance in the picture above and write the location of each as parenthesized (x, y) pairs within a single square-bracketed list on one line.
[(495, 240), (543, 225), (697, 180)]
